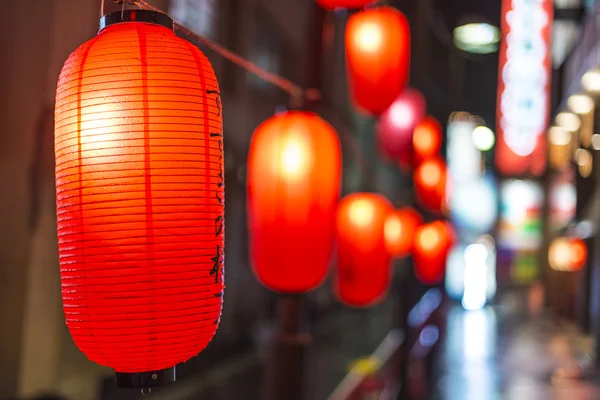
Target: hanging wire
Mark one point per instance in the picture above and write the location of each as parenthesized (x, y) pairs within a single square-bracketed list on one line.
[(297, 93), (294, 90)]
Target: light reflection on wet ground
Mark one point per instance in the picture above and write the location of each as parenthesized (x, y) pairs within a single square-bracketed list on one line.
[(489, 355)]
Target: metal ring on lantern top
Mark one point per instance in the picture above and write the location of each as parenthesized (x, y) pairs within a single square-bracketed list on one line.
[(148, 16)]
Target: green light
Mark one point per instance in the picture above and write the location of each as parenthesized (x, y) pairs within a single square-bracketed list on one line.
[(483, 138)]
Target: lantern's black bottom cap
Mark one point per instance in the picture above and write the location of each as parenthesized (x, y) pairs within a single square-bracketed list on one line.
[(141, 380)]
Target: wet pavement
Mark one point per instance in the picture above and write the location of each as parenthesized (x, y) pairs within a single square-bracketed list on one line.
[(487, 354)]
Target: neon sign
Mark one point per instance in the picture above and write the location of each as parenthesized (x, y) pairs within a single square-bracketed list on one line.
[(524, 86)]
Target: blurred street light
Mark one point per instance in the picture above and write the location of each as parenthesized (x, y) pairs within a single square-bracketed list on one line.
[(478, 38), (591, 81), (584, 162), (596, 141), (483, 138), (580, 104), (559, 136), (568, 121)]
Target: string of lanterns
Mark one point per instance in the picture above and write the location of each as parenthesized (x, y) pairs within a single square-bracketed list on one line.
[(140, 189)]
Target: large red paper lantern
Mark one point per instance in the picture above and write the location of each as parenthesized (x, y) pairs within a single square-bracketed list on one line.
[(333, 4), (139, 193), (430, 180), (427, 140), (432, 244), (294, 172), (397, 124), (400, 228), (378, 57), (363, 263)]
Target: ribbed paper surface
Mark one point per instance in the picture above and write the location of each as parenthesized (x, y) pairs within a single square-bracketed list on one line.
[(140, 205)]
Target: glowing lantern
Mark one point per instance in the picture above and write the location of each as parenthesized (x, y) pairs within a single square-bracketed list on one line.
[(578, 254), (378, 57), (400, 228), (567, 254), (294, 172), (139, 192), (427, 140), (432, 245), (333, 4), (363, 263), (397, 124), (430, 183)]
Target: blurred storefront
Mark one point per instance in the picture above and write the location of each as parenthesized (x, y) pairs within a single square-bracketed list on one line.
[(573, 175)]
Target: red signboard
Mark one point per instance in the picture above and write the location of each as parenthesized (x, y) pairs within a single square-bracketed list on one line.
[(524, 86)]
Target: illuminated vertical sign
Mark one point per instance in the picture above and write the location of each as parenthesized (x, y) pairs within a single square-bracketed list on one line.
[(524, 86)]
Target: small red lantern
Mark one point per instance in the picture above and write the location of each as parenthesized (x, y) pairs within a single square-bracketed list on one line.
[(363, 263), (400, 228), (432, 244), (430, 183), (294, 172), (397, 124), (578, 254), (567, 254), (427, 140), (140, 197), (378, 57), (333, 4)]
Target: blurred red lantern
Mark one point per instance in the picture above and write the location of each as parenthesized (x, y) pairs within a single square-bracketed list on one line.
[(378, 57), (578, 254), (140, 194), (432, 244), (333, 4), (400, 228), (427, 140), (363, 263), (294, 172), (397, 124), (430, 183), (567, 254)]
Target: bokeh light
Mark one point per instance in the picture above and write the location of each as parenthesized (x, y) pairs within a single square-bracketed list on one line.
[(483, 138)]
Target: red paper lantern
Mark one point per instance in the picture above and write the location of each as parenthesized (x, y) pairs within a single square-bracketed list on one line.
[(397, 124), (294, 172), (578, 254), (363, 263), (139, 193), (427, 140), (430, 183), (432, 244), (378, 57), (400, 228), (567, 254), (333, 4)]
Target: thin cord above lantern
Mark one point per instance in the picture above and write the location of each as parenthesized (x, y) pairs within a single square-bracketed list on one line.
[(295, 91)]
